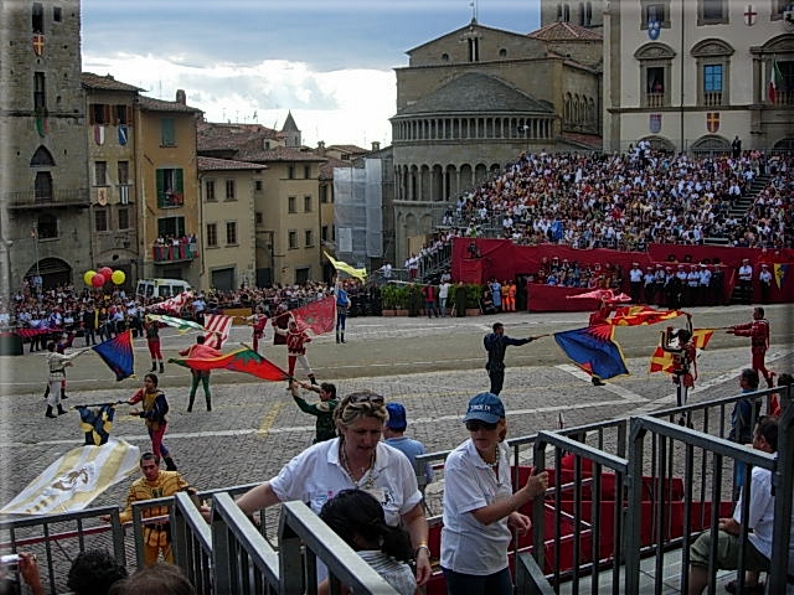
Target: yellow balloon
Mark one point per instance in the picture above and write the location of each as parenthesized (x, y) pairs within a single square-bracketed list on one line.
[(118, 277), (87, 276)]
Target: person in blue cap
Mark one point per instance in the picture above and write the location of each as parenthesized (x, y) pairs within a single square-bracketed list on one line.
[(480, 508), (394, 433)]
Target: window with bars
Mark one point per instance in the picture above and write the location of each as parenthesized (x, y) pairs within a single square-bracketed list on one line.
[(124, 172), (292, 204), (230, 190), (292, 240), (308, 237), (209, 190), (307, 204)]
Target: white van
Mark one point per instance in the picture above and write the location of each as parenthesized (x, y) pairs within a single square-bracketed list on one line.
[(161, 288)]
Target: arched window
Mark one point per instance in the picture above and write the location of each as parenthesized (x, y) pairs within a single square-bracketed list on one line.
[(713, 58), (42, 158)]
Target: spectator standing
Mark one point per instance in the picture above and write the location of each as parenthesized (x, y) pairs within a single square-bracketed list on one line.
[(342, 307), (765, 283), (443, 297), (394, 433), (736, 147), (746, 282), (89, 323), (429, 295), (480, 507)]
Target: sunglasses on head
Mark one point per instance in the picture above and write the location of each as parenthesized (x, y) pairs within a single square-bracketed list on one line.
[(475, 425), (366, 398)]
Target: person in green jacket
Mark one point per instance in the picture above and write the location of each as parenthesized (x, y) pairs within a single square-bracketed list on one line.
[(323, 411)]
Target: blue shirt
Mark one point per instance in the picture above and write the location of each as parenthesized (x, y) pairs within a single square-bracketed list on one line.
[(411, 448)]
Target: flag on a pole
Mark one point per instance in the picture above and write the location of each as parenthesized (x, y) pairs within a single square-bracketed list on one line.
[(318, 316), (346, 268), (96, 422), (662, 361), (594, 350), (73, 481), (217, 327), (118, 355), (775, 80), (241, 360), (180, 324), (641, 315), (174, 304)]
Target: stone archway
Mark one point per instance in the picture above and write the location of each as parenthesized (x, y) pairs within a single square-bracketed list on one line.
[(53, 271), (711, 144), (785, 145)]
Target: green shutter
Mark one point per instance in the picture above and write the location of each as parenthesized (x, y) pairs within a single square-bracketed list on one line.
[(161, 188), (168, 135)]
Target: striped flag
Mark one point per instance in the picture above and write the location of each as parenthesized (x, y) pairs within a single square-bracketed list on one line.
[(73, 481), (662, 361), (174, 304), (641, 315), (218, 326)]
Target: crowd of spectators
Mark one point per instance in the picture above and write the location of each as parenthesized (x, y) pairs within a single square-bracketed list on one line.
[(627, 201)]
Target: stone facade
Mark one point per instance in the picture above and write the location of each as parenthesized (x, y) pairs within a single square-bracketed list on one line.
[(471, 101), (44, 186), (703, 80), (111, 136)]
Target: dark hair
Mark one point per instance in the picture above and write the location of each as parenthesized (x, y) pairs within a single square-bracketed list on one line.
[(148, 456), (160, 579), (497, 325), (93, 572), (329, 388), (785, 379), (751, 376), (760, 311), (200, 339), (767, 429), (357, 514), (153, 377)]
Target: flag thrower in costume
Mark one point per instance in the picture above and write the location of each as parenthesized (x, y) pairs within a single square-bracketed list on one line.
[(241, 360)]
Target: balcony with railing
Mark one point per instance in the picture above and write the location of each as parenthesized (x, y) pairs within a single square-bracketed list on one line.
[(36, 199), (712, 98), (181, 252), (655, 100)]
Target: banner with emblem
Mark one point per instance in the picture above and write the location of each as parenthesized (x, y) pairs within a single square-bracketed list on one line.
[(654, 123), (749, 15), (712, 122), (99, 134), (654, 29), (780, 270), (123, 135), (38, 44)]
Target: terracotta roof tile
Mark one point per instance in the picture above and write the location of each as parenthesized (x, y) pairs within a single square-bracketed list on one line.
[(213, 164), (107, 82), (160, 105), (327, 168), (560, 31)]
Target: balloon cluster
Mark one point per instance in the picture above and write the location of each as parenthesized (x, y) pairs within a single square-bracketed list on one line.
[(99, 278)]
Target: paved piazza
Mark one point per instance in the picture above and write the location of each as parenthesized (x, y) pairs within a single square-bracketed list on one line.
[(432, 366)]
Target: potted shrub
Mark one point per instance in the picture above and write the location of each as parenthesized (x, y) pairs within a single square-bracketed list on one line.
[(394, 298), (473, 295)]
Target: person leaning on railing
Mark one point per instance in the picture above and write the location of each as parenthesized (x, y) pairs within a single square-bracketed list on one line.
[(355, 459)]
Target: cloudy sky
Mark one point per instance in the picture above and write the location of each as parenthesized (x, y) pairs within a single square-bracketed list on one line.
[(328, 61)]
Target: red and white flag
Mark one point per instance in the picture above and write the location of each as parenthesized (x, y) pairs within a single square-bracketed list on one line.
[(174, 304), (218, 326)]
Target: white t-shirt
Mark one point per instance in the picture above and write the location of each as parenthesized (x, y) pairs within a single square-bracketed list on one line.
[(468, 546), (398, 574), (316, 475)]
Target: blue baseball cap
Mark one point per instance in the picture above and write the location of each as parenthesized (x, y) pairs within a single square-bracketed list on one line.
[(485, 407), (396, 419)]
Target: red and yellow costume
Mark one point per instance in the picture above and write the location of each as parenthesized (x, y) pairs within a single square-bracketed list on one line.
[(758, 331), (156, 536)]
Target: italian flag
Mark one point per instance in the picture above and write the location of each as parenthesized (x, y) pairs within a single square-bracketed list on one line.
[(775, 79)]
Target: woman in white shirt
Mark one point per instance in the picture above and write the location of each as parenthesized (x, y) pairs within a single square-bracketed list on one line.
[(480, 507)]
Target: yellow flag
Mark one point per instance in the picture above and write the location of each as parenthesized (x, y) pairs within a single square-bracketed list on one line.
[(780, 270), (346, 268)]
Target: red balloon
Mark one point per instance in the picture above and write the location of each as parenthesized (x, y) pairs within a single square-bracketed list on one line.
[(98, 280), (106, 272)]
